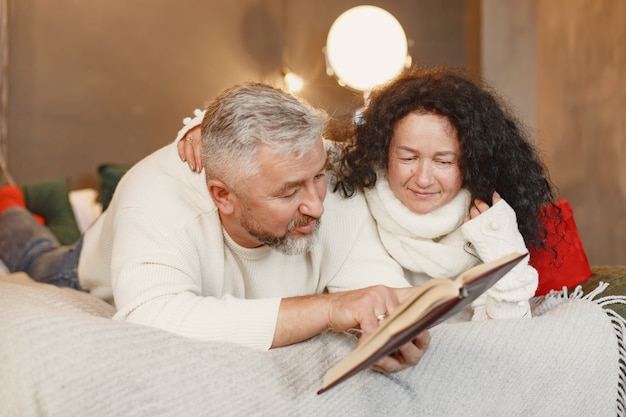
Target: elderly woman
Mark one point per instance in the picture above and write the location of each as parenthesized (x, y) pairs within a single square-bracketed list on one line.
[(451, 180)]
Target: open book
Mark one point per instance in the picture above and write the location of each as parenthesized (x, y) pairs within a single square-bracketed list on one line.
[(435, 301)]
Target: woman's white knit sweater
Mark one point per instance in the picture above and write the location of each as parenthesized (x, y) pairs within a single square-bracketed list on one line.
[(440, 244)]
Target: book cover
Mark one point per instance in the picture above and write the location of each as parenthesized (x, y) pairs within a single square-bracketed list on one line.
[(434, 302)]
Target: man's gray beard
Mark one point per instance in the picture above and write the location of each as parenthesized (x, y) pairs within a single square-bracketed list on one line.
[(290, 245), (286, 244)]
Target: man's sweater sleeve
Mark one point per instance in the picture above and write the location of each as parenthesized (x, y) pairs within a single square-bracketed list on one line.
[(156, 282), (365, 261)]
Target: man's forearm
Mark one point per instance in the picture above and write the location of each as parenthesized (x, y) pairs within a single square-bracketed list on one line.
[(301, 318)]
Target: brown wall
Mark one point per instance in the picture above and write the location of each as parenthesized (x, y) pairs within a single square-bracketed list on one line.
[(581, 110), (560, 63), (95, 81)]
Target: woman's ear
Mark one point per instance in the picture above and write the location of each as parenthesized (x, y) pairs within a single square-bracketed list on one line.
[(222, 196)]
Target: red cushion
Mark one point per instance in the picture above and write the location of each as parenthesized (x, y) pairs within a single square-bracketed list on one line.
[(569, 266), (12, 196)]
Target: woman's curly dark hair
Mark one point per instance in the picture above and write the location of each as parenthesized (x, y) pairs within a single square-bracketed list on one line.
[(496, 155)]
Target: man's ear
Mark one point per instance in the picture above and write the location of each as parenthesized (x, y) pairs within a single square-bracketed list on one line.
[(222, 196)]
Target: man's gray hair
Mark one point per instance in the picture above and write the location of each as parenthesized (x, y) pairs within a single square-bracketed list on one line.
[(244, 117)]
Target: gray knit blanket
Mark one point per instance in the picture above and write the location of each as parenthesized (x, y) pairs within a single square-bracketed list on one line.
[(62, 355)]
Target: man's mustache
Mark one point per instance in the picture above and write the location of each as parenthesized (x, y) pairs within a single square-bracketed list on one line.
[(301, 221)]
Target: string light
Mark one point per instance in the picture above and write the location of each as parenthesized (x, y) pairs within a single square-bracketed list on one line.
[(293, 82)]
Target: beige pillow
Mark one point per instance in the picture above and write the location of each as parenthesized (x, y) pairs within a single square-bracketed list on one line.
[(20, 288)]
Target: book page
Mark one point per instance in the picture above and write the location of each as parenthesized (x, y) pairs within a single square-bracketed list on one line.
[(411, 312), (432, 303)]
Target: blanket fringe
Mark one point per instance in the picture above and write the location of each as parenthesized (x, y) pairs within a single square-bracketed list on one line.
[(555, 297)]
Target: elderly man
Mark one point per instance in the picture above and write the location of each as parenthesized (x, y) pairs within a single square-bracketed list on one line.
[(240, 254)]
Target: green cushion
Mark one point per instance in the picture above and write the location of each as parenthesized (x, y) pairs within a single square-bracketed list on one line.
[(615, 276), (50, 199), (110, 175)]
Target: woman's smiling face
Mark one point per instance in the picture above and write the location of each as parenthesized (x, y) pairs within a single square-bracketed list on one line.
[(423, 167)]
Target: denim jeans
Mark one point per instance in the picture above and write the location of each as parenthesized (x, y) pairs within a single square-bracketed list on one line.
[(27, 246)]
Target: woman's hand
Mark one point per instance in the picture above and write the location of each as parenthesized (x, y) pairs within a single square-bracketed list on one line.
[(479, 206), (190, 149)]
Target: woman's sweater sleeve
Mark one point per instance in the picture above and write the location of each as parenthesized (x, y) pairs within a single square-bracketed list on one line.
[(494, 234), (189, 123)]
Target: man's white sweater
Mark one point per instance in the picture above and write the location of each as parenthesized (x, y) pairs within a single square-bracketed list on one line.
[(161, 249)]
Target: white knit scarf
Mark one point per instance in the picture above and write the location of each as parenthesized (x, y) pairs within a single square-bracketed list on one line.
[(429, 243)]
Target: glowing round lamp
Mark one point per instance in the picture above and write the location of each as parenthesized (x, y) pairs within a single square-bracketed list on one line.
[(366, 46)]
